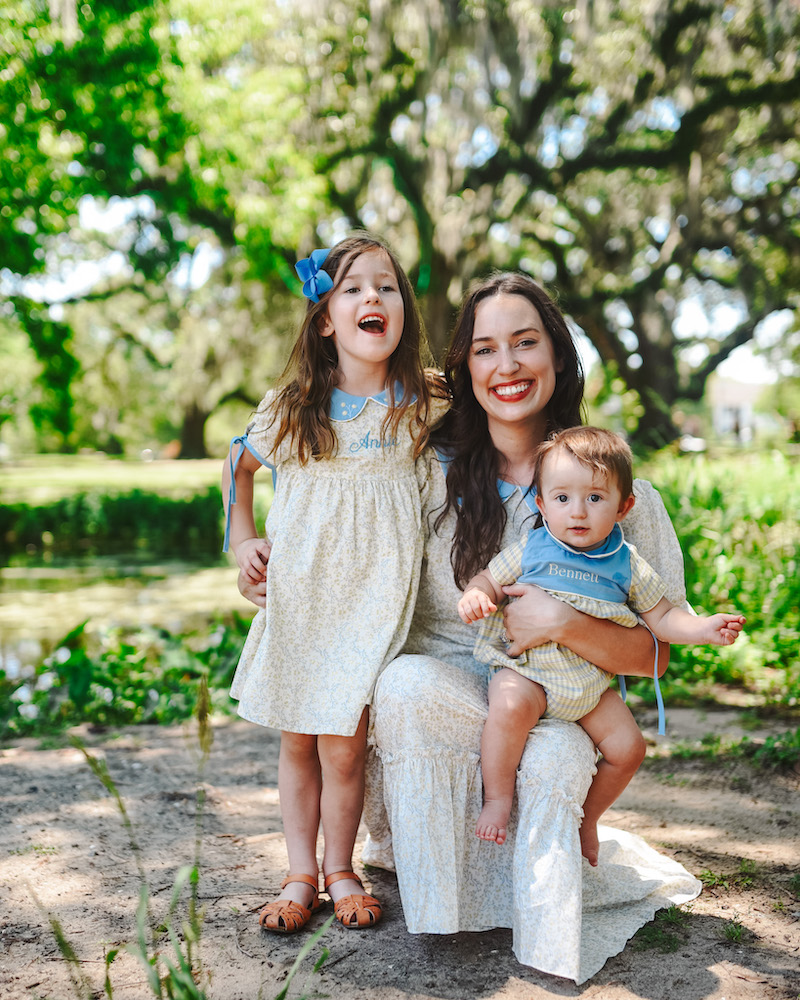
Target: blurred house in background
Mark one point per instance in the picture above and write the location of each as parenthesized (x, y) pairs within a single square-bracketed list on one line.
[(737, 410)]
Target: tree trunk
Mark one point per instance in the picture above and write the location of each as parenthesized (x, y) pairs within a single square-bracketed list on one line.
[(193, 443)]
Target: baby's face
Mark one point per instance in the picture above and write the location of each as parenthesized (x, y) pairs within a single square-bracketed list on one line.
[(580, 505)]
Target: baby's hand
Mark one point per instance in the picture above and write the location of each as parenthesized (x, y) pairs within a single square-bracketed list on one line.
[(474, 605), (252, 556), (726, 628)]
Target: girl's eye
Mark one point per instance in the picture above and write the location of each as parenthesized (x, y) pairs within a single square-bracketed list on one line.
[(353, 288), (388, 288)]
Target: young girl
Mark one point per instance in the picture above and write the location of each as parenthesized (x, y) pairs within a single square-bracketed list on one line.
[(583, 483), (341, 433)]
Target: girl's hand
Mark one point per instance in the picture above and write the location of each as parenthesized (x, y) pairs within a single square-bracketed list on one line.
[(474, 605), (252, 555), (256, 593), (532, 617)]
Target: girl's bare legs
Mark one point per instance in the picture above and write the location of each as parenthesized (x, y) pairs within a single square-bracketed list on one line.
[(515, 706), (614, 732), (300, 786), (342, 759)]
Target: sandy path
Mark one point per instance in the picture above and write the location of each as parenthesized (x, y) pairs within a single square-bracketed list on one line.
[(64, 843)]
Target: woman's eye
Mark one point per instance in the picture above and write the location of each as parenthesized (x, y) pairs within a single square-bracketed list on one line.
[(527, 342), (479, 351)]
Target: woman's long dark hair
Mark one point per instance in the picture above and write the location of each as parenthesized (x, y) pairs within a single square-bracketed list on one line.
[(302, 404), (474, 464)]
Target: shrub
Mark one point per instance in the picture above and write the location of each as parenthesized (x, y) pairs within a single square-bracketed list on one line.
[(98, 524), (122, 677), (738, 521)]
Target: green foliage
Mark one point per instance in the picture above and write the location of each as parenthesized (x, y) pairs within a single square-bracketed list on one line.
[(52, 344), (121, 677), (738, 522), (663, 932), (733, 931), (634, 184), (97, 524), (742, 878), (779, 752)]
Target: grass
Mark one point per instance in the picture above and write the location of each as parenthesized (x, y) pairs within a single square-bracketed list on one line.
[(663, 933), (743, 878), (42, 479), (733, 931), (779, 752)]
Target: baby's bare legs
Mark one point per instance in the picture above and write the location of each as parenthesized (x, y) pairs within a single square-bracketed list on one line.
[(300, 786), (342, 760), (614, 732), (515, 706)]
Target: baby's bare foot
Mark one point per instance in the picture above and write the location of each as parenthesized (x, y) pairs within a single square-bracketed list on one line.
[(492, 822), (590, 843)]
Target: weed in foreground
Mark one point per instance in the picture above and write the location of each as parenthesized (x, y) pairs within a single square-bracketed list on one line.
[(733, 931), (177, 975), (742, 878), (661, 933)]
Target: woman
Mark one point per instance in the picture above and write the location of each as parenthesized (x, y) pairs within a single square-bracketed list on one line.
[(515, 376)]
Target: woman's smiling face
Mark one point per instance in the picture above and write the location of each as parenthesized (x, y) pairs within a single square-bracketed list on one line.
[(512, 363)]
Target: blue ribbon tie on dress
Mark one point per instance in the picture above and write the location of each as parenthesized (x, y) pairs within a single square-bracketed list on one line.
[(242, 441)]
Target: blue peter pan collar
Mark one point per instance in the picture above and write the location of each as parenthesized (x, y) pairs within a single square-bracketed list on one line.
[(610, 547), (507, 490), (347, 407)]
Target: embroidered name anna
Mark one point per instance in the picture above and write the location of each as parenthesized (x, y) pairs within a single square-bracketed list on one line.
[(368, 442)]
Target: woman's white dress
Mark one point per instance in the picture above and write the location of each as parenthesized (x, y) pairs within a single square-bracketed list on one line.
[(424, 788), (346, 537)]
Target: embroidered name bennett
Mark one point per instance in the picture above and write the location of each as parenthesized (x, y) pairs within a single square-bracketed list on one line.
[(553, 569)]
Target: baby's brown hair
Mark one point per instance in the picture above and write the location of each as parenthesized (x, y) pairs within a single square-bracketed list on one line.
[(598, 449)]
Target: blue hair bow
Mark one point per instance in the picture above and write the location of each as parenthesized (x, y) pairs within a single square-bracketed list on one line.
[(315, 281)]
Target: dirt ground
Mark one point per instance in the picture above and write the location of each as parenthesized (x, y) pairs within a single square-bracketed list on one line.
[(66, 855)]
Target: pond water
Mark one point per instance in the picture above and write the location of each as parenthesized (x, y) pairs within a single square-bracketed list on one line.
[(40, 605)]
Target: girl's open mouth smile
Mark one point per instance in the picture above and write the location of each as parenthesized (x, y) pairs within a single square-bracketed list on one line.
[(374, 323)]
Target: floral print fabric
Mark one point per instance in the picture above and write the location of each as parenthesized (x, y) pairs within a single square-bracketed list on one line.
[(424, 785), (346, 536)]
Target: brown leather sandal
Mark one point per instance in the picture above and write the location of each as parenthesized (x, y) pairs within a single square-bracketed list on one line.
[(357, 911), (284, 916)]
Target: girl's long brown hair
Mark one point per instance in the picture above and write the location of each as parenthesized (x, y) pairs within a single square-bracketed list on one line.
[(302, 402), (463, 436)]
